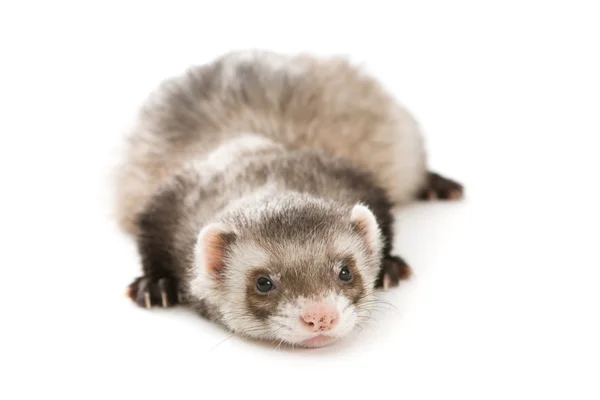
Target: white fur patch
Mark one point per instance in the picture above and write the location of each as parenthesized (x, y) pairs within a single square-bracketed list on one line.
[(253, 256), (228, 154), (230, 150), (347, 243), (290, 327), (201, 280), (204, 237), (363, 216)]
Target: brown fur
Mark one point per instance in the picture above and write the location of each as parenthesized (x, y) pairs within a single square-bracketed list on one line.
[(264, 164), (298, 101)]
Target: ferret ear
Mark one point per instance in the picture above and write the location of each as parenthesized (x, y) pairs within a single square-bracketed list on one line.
[(365, 224), (213, 241)]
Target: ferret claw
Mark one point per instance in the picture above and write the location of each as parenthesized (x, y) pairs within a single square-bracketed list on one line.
[(146, 292), (386, 282), (442, 188), (162, 284), (455, 194), (147, 300), (393, 270)]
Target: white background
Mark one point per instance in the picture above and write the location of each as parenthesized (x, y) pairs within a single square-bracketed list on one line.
[(505, 298)]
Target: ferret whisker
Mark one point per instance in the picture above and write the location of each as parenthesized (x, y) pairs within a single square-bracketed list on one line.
[(376, 305), (367, 321), (281, 325), (221, 342), (285, 296), (320, 224), (381, 308), (366, 310), (364, 296), (279, 345)]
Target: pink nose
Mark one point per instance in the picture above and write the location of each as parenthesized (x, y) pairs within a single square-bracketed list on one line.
[(320, 319)]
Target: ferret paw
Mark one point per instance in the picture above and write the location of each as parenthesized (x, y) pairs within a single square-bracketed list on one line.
[(393, 270), (439, 187), (147, 292)]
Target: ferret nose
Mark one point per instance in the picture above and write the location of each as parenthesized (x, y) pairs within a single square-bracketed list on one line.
[(320, 319)]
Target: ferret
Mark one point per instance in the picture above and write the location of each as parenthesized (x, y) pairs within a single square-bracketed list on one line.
[(259, 190)]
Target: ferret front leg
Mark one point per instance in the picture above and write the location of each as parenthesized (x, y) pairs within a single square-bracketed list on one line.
[(440, 187), (393, 270), (161, 263), (147, 292)]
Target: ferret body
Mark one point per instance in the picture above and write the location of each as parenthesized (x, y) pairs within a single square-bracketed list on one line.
[(259, 190)]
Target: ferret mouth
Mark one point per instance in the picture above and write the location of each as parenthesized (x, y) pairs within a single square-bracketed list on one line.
[(319, 341)]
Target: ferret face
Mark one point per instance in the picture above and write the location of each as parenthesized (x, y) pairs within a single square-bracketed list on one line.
[(299, 293), (305, 282)]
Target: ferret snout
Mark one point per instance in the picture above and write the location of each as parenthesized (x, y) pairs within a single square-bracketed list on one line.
[(320, 318)]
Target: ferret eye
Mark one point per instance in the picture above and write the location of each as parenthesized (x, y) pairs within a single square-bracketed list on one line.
[(345, 274), (264, 284)]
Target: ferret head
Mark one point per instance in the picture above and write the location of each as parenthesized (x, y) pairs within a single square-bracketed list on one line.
[(298, 272)]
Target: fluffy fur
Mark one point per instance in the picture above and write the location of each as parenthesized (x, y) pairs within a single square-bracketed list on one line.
[(298, 101), (266, 165)]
